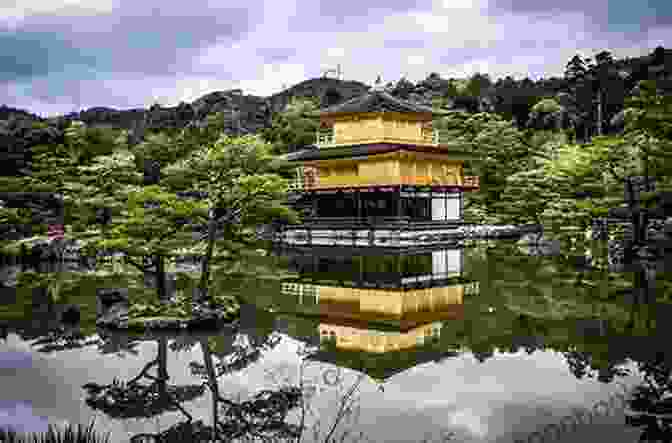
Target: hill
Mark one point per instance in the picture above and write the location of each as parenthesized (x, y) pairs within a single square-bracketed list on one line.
[(513, 99)]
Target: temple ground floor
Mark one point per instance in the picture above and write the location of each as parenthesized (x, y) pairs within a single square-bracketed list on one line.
[(415, 203)]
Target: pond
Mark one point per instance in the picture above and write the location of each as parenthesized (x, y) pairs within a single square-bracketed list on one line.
[(481, 342)]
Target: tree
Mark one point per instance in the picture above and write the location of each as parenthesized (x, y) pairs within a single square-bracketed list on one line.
[(601, 77), (236, 175), (547, 114), (292, 129), (55, 172), (498, 144), (579, 89), (658, 55), (135, 399), (451, 90), (403, 88), (477, 85), (575, 70)]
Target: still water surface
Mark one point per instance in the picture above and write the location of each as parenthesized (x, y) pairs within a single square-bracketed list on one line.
[(486, 343)]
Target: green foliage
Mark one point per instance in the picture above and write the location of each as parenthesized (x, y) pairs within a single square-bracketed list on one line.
[(499, 146), (547, 105), (477, 85), (167, 148), (237, 175), (292, 129), (152, 307)]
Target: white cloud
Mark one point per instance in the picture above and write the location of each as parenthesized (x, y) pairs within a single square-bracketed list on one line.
[(15, 12), (469, 419), (460, 4), (415, 59), (335, 52), (272, 78)]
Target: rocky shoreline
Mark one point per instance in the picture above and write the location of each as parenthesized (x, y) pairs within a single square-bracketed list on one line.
[(473, 231), (113, 313)]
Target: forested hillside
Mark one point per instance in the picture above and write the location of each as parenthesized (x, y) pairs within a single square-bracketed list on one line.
[(574, 104)]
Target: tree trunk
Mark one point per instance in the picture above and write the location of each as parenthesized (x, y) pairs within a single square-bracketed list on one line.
[(635, 215), (162, 368), (161, 278), (212, 382), (205, 264), (599, 112)]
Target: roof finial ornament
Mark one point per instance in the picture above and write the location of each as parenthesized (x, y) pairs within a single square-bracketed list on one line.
[(378, 86)]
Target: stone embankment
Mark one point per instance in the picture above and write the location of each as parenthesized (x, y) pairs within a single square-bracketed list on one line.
[(497, 231), (113, 312)]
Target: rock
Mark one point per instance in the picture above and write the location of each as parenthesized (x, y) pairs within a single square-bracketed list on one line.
[(108, 296), (9, 275), (667, 227), (71, 314), (537, 245), (116, 316), (112, 307)]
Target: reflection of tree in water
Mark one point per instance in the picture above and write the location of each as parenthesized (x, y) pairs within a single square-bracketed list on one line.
[(581, 365), (63, 339), (52, 326), (235, 352), (116, 343), (261, 417), (135, 399), (183, 342), (651, 401), (240, 353), (264, 415)]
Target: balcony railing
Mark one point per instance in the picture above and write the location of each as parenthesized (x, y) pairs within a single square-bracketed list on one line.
[(427, 135), (472, 182), (434, 136), (306, 178), (325, 138)]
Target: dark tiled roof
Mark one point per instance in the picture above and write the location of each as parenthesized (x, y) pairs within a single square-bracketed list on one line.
[(314, 153), (375, 101)]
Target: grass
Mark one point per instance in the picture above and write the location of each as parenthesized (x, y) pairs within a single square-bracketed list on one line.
[(70, 434)]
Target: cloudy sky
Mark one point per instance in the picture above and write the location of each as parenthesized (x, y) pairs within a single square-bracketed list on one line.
[(59, 56)]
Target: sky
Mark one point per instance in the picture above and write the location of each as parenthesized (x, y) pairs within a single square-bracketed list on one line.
[(60, 56)]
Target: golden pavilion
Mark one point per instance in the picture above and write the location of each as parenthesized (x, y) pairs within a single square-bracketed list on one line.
[(379, 175)]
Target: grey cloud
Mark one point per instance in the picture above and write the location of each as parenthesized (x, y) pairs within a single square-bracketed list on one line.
[(404, 44), (549, 7), (346, 15), (274, 55), (142, 37), (355, 8), (612, 13), (32, 54)]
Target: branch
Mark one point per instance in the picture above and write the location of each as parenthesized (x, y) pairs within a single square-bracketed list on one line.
[(173, 232), (612, 170), (303, 404), (144, 371), (234, 204), (343, 408), (137, 265)]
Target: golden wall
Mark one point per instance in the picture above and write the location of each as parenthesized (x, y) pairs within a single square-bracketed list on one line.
[(396, 169), (393, 303), (377, 341), (423, 171), (379, 128)]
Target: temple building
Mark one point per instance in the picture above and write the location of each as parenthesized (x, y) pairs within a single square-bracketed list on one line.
[(376, 314), (378, 165)]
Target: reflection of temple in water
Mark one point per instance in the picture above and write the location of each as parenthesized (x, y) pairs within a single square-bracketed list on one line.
[(377, 314)]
